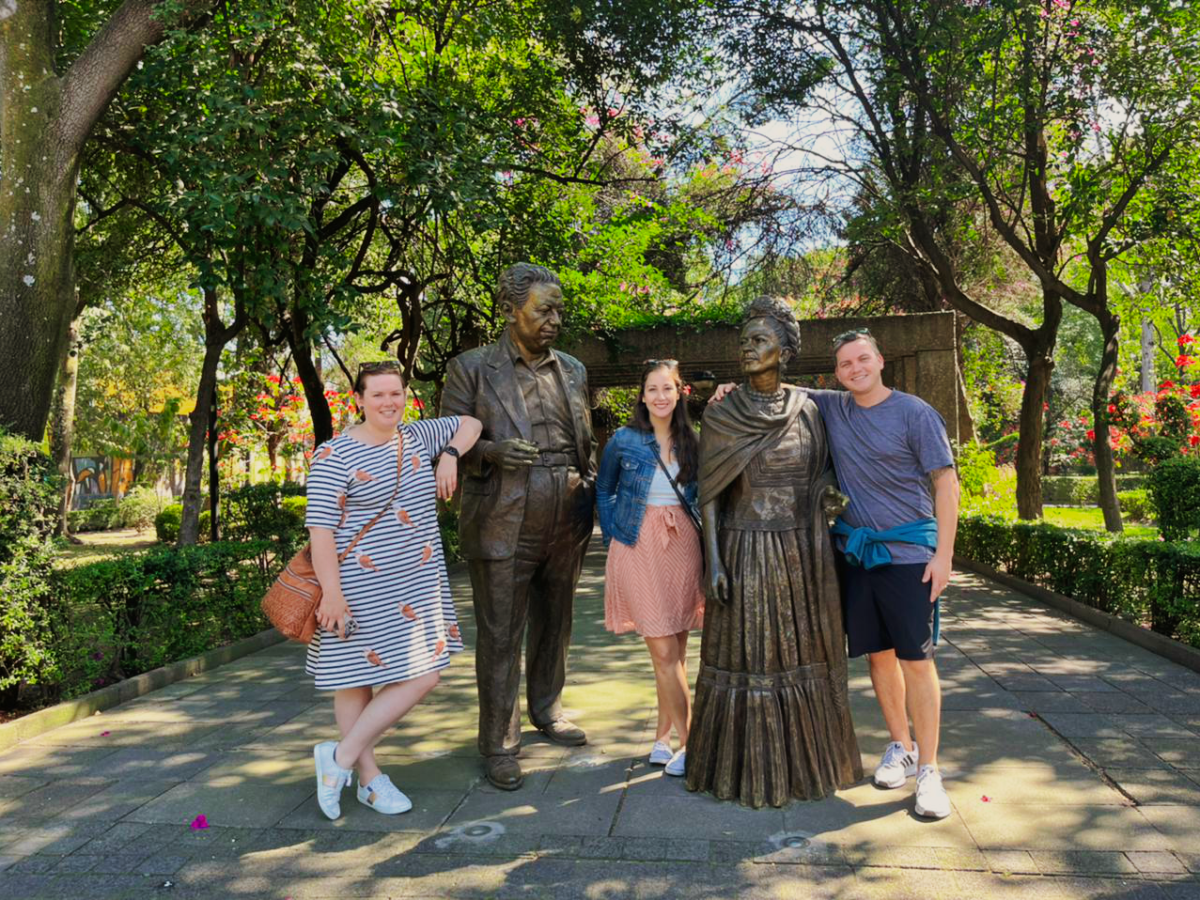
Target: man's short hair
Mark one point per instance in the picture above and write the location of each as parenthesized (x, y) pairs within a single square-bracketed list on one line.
[(855, 334), (517, 281)]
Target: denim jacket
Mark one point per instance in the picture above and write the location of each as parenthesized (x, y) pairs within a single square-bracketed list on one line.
[(623, 484)]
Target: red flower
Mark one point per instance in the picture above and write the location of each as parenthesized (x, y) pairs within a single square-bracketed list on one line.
[(417, 404), (274, 379), (1194, 440), (1112, 408), (1182, 361), (1091, 435), (1166, 386), (1185, 339), (1196, 391)]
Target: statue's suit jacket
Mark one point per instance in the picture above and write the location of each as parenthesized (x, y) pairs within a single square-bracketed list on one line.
[(483, 384)]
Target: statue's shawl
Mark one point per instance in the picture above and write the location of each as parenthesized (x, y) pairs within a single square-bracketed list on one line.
[(735, 430)]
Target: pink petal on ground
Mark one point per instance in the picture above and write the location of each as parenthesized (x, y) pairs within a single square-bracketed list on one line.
[(105, 733), (986, 799), (201, 821)]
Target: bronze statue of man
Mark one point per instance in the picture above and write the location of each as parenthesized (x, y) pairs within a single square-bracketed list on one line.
[(526, 512)]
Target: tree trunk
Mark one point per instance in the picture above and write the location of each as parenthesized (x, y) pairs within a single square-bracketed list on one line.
[(216, 336), (1147, 382), (37, 206), (62, 425), (310, 378), (1106, 470), (1031, 423), (189, 528), (214, 472), (45, 119)]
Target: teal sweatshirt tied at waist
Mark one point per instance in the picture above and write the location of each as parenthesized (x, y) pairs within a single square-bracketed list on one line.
[(865, 547)]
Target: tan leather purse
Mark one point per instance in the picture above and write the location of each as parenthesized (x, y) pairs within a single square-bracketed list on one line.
[(291, 603)]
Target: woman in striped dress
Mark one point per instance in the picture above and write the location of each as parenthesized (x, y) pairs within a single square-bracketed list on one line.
[(652, 583), (387, 622)]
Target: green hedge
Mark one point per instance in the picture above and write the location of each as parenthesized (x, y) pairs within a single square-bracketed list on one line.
[(1136, 506), (1083, 490), (168, 522), (1155, 584), (1175, 493), (120, 617), (29, 489)]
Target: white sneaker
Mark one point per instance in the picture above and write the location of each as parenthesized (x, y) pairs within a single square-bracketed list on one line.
[(660, 753), (897, 765), (331, 778), (383, 796), (678, 764), (932, 801)]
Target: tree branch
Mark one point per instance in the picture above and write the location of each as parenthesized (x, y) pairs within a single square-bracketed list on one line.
[(95, 77)]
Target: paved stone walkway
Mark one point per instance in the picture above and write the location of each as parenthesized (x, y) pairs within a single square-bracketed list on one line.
[(1071, 758)]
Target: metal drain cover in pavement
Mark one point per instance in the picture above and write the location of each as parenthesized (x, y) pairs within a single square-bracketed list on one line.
[(790, 840), (471, 833)]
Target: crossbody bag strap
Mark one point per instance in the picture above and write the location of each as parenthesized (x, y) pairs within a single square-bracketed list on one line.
[(675, 487), (379, 515)]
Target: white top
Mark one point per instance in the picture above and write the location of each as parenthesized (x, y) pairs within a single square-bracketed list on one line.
[(661, 492)]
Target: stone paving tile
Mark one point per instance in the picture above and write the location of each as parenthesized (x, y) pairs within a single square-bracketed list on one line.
[(1173, 704), (1156, 863), (1011, 861), (430, 809), (236, 803), (1049, 701), (55, 839), (1082, 862), (117, 800), (1078, 683), (1113, 701), (35, 761), (51, 800), (1154, 725), (1120, 753), (1178, 825), (117, 838), (1008, 827), (1084, 725), (1157, 786), (519, 812), (149, 764), (14, 786)]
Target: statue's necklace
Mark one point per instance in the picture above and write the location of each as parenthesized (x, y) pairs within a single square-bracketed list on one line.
[(773, 399)]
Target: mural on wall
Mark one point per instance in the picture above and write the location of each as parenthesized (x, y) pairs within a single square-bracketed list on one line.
[(100, 476)]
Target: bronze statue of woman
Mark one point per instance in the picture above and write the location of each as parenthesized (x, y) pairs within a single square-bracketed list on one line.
[(771, 722)]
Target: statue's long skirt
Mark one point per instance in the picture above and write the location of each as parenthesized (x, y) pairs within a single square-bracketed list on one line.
[(771, 721)]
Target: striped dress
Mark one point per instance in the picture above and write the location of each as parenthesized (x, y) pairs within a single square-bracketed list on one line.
[(395, 579)]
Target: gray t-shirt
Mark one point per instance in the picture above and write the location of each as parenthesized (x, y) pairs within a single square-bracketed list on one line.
[(883, 455)]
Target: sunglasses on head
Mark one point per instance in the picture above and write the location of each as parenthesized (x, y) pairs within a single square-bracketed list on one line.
[(853, 335)]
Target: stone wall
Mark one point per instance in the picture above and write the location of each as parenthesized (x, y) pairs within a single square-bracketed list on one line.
[(920, 353)]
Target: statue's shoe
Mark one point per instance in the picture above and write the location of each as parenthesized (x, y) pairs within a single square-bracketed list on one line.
[(560, 731), (504, 772)]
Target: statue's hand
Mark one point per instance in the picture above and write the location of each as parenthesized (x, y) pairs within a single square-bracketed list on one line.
[(512, 453), (833, 503), (718, 584), (722, 391)]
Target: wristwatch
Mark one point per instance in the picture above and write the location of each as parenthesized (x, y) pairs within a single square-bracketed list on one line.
[(451, 451)]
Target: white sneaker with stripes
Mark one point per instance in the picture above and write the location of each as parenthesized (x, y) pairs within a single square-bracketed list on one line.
[(897, 766)]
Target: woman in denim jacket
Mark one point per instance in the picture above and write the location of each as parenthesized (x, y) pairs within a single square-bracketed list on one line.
[(653, 579)]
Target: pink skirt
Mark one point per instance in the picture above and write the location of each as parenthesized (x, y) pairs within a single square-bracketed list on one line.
[(653, 587)]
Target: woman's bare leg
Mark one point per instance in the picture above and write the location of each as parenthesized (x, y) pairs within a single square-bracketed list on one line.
[(671, 682), (389, 705)]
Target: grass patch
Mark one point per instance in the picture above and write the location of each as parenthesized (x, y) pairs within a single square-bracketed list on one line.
[(1092, 519), (94, 546)]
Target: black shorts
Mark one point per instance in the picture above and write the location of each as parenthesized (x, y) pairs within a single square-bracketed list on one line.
[(888, 608)]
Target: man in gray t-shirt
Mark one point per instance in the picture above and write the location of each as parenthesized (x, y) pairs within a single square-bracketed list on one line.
[(884, 455)]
